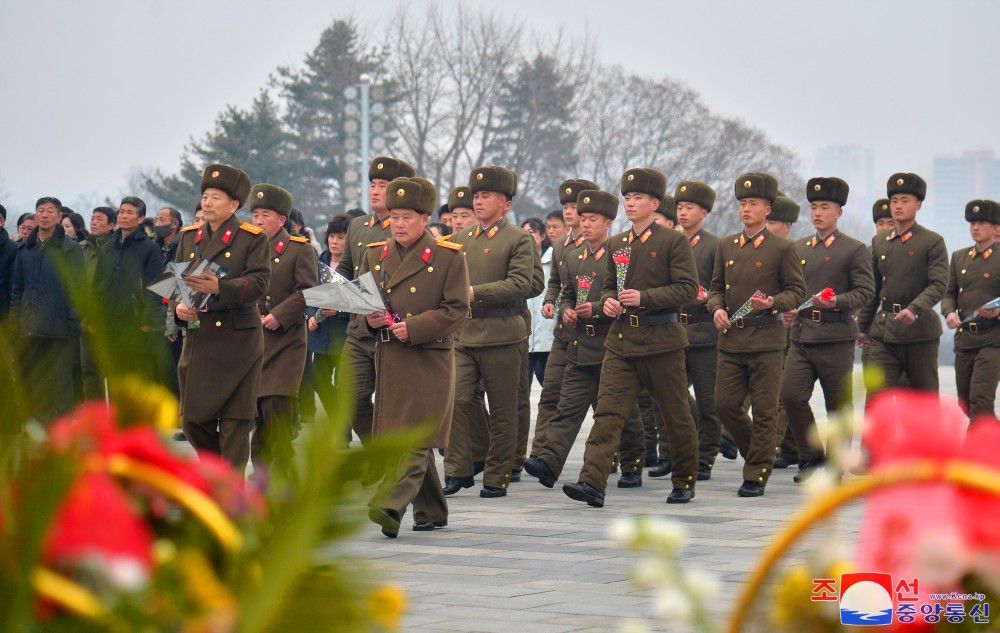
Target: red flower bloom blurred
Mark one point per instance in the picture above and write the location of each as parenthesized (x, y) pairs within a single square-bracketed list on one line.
[(828, 294)]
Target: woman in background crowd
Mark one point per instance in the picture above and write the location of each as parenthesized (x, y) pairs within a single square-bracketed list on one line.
[(540, 336)]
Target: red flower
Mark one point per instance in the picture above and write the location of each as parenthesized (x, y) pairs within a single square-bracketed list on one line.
[(982, 511), (759, 265), (828, 294)]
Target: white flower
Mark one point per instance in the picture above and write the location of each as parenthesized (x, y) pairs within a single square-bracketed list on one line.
[(667, 536), (822, 480), (126, 573), (624, 530), (703, 585), (653, 572), (671, 603), (634, 626)]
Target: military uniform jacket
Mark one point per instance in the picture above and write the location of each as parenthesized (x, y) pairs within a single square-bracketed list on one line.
[(911, 271), (293, 269), (428, 287), (973, 279), (662, 269), (745, 264), (501, 260), (360, 233), (588, 336), (842, 263), (702, 334), (558, 280), (220, 366)]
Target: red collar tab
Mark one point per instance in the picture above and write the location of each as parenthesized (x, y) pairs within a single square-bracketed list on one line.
[(695, 240), (906, 236), (228, 235), (427, 255), (280, 247), (197, 239), (385, 251), (493, 231)]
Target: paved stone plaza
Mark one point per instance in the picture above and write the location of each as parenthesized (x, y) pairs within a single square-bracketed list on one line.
[(537, 562)]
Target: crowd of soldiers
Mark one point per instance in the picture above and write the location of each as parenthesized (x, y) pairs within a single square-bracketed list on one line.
[(685, 344)]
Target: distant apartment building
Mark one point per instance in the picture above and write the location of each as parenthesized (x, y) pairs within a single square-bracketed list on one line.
[(853, 163), (955, 181)]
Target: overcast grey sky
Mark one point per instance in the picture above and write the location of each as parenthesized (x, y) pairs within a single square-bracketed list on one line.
[(90, 90)]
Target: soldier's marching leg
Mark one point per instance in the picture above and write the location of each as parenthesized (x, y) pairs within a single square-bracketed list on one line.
[(430, 505), (271, 442), (523, 412), (652, 424), (360, 355), (765, 372), (479, 429), (964, 361), (920, 363), (203, 436), (234, 442), (884, 357), (497, 365), (665, 376), (797, 384), (701, 366), (458, 457), (552, 388), (415, 481), (632, 450), (731, 389), (579, 391), (615, 401), (985, 375)]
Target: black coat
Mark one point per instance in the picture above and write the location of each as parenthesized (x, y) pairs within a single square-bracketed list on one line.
[(42, 274), (124, 268), (8, 250), (332, 331)]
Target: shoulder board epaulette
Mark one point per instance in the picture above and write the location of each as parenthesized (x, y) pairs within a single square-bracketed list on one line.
[(190, 228), (374, 244), (455, 246), (444, 237), (299, 239), (251, 228)]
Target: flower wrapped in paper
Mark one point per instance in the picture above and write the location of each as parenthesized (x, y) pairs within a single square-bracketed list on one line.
[(827, 294), (583, 285), (622, 257)]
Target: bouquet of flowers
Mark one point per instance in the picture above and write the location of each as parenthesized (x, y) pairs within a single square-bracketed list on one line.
[(621, 258), (826, 295), (746, 308), (992, 304), (583, 284)]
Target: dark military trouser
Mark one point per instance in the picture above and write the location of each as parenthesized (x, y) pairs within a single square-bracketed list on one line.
[(652, 426), (413, 479), (226, 438), (621, 379), (579, 393), (475, 435), (831, 364), (271, 441), (919, 361), (756, 374), (977, 372), (523, 407), (787, 446), (548, 401), (360, 354), (494, 366)]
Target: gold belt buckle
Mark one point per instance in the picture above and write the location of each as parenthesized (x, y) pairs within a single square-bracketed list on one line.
[(896, 308), (974, 327), (384, 335), (739, 322), (682, 318), (590, 330), (633, 320), (817, 316)]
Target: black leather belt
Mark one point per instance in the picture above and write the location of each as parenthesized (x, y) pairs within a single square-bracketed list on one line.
[(242, 306), (635, 320), (826, 316), (895, 308), (756, 321), (385, 335), (484, 313), (697, 317), (588, 329), (980, 326)]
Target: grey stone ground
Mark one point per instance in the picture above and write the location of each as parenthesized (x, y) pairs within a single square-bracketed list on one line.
[(537, 562)]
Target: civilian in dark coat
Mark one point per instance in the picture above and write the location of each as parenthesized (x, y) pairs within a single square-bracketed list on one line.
[(47, 265), (8, 248)]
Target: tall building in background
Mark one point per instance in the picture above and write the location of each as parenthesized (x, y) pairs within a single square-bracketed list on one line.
[(853, 163), (955, 181)]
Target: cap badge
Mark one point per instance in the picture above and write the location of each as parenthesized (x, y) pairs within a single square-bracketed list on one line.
[(400, 192), (899, 181), (747, 184), (684, 187), (586, 200), (260, 194), (885, 207), (461, 194), (569, 190), (380, 166), (215, 174), (631, 177), (816, 187), (975, 209), (479, 176)]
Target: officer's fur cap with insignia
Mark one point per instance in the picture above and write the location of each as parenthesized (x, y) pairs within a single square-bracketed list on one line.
[(644, 180), (232, 180), (388, 168), (784, 209), (570, 190), (411, 193), (827, 190), (493, 178), (982, 211), (271, 197), (668, 208), (906, 183), (460, 198), (757, 185), (697, 192), (881, 210), (597, 201)]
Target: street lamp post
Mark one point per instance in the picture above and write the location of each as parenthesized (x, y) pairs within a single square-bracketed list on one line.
[(364, 132), (366, 82)]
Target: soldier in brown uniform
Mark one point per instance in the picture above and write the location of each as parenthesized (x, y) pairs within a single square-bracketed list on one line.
[(645, 347), (293, 269), (751, 348), (882, 217), (501, 259), (548, 400), (425, 284), (220, 366), (588, 328), (360, 346), (823, 335), (973, 280), (910, 265), (524, 381)]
